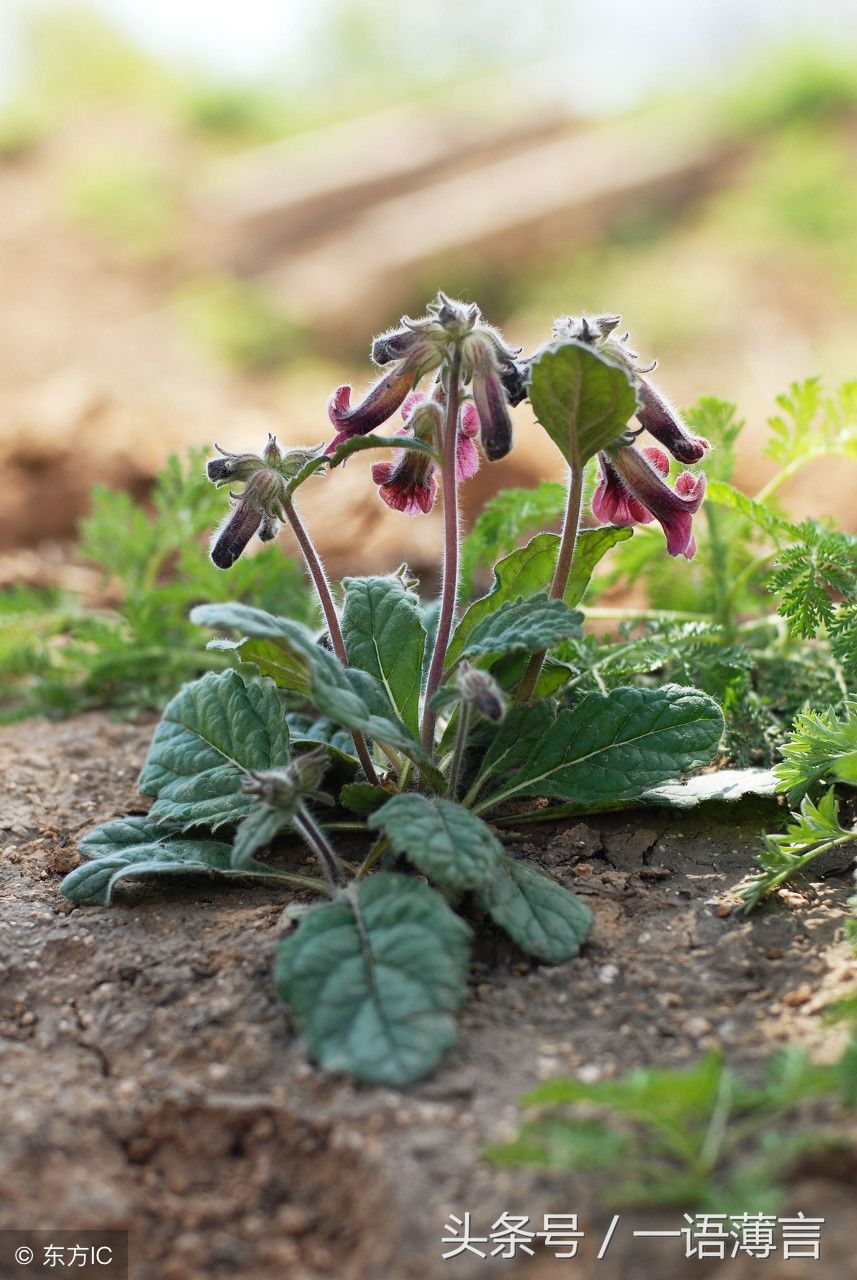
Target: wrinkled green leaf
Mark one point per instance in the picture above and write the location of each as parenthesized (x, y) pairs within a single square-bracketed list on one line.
[(374, 979), (543, 918), (384, 635), (441, 838), (262, 824), (581, 398), (528, 571), (607, 749), (136, 848), (523, 626), (361, 797), (350, 697), (212, 731)]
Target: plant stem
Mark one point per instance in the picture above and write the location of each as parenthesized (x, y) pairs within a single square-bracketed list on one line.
[(309, 830), (449, 586), (379, 848), (460, 743), (316, 571), (564, 561)]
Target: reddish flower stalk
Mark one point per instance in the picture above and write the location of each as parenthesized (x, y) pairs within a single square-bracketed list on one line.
[(449, 586)]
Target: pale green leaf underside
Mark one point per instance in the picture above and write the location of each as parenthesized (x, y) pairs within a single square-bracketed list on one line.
[(350, 697), (374, 979), (135, 848), (582, 399)]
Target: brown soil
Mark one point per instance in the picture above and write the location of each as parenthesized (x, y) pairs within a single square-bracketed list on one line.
[(151, 1079)]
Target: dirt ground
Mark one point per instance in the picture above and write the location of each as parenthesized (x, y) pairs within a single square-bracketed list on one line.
[(151, 1079)]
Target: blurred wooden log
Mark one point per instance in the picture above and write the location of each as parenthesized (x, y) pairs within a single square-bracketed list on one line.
[(559, 193), (272, 200)]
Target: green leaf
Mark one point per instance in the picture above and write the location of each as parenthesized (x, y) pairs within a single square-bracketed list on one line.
[(528, 571), (725, 495), (504, 520), (582, 399), (360, 797), (212, 731), (136, 848), (524, 626), (543, 918), (607, 749), (350, 697), (384, 635), (822, 746), (374, 979), (262, 824), (815, 830), (441, 838)]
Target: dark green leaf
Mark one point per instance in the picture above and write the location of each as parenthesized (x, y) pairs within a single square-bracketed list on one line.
[(136, 848), (350, 697), (213, 730), (543, 918), (605, 750), (360, 797), (375, 978), (384, 635), (262, 824), (524, 626), (441, 838), (582, 399), (528, 571)]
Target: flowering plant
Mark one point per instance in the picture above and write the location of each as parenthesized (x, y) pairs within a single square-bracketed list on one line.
[(412, 722)]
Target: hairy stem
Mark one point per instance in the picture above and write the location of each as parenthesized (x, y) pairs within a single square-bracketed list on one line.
[(310, 832), (449, 586), (460, 743), (564, 561), (316, 571)]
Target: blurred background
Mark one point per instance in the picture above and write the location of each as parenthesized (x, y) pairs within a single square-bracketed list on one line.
[(207, 210)]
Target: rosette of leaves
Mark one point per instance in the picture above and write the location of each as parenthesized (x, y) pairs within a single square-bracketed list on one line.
[(375, 973)]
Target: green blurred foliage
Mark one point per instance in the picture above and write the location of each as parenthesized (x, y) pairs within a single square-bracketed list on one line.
[(238, 322), (127, 202)]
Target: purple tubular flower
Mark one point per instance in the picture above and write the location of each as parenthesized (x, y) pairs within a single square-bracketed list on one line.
[(383, 399), (490, 400), (658, 416), (232, 539), (673, 508)]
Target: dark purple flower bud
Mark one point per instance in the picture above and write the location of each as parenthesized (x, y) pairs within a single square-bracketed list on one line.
[(232, 538), (490, 400), (232, 466), (384, 398), (396, 344), (269, 528), (515, 377), (658, 416)]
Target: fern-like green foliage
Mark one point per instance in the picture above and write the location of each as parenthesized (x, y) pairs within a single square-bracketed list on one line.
[(812, 424), (59, 654), (505, 521), (810, 575), (821, 748), (814, 830), (703, 1137)]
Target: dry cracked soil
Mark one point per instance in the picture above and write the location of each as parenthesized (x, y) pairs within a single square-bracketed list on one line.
[(151, 1080)]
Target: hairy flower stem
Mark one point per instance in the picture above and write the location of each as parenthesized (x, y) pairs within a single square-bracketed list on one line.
[(458, 753), (312, 834), (449, 587), (564, 561), (315, 568)]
